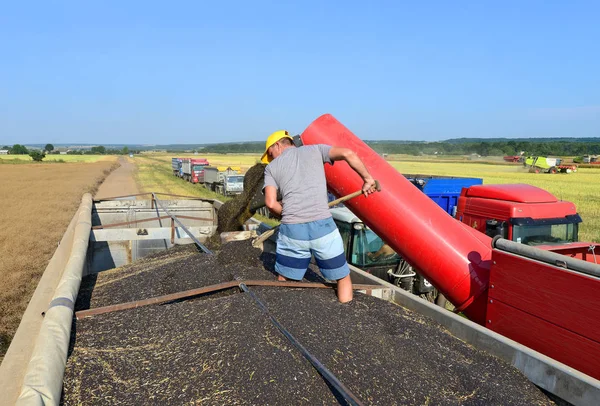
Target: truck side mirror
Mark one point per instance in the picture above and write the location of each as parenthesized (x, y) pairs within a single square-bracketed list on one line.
[(495, 227)]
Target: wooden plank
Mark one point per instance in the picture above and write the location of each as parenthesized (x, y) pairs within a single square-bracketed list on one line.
[(558, 343), (565, 298)]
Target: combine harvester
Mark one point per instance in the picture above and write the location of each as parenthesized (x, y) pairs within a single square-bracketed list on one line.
[(542, 164), (531, 308)]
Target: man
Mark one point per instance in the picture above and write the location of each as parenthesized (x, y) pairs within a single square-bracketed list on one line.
[(306, 224), (384, 251)]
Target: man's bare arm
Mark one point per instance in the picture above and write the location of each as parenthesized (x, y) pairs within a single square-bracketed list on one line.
[(346, 154), (271, 200)]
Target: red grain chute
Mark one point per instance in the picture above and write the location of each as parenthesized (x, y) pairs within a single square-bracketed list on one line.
[(454, 257)]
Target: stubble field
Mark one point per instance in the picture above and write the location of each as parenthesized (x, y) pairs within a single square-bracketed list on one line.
[(23, 159), (37, 203)]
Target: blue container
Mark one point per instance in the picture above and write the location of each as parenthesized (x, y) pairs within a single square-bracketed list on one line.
[(444, 190)]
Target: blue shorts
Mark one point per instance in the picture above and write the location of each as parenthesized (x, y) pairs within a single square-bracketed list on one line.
[(297, 242)]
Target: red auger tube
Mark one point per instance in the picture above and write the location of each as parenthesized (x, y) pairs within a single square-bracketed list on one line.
[(452, 256)]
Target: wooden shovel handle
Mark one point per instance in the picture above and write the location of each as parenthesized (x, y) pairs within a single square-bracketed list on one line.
[(264, 236)]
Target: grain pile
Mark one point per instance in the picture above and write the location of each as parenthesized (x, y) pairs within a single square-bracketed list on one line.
[(222, 350)]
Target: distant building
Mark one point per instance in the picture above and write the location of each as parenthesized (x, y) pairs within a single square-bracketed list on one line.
[(62, 151), (4, 152)]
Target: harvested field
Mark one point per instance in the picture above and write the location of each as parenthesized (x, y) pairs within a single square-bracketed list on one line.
[(223, 350), (57, 158), (37, 204)]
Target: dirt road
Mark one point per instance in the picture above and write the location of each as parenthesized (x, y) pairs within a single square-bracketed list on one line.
[(120, 182)]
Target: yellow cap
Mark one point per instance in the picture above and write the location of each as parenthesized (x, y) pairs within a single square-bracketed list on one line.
[(273, 138)]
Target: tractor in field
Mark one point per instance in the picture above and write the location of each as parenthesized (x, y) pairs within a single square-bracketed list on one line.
[(542, 164)]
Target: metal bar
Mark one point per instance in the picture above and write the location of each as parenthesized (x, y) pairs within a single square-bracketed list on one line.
[(120, 197), (548, 257), (325, 373), (149, 193), (180, 224), (172, 231), (126, 223), (206, 289), (155, 300)]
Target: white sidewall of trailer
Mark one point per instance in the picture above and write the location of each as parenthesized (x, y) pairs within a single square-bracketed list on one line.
[(42, 383)]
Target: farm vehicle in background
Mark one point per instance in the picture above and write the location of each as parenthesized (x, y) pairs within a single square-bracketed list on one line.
[(515, 158), (539, 164), (587, 160), (176, 166), (223, 180), (192, 169), (188, 168)]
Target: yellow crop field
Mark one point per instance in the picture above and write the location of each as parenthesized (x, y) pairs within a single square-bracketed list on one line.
[(36, 206), (57, 158)]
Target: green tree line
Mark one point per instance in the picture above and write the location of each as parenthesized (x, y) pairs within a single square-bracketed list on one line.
[(483, 148)]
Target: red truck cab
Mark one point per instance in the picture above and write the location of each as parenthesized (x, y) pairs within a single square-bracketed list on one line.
[(522, 213), (192, 168)]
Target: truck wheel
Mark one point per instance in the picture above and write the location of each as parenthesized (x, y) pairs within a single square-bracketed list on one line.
[(553, 170)]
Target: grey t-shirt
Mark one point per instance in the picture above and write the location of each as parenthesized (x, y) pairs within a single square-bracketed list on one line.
[(299, 175)]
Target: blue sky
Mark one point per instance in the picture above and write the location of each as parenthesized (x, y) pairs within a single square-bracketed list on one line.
[(198, 71)]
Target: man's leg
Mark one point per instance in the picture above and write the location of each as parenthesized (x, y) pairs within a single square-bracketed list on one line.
[(328, 249), (292, 255), (344, 289)]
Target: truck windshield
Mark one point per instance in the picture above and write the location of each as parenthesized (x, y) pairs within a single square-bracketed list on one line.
[(370, 250), (235, 179), (545, 234), (199, 167)]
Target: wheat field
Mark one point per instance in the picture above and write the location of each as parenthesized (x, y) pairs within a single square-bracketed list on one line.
[(12, 159), (37, 203)]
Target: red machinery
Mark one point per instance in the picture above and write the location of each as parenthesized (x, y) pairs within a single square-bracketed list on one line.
[(514, 158), (192, 168), (541, 299)]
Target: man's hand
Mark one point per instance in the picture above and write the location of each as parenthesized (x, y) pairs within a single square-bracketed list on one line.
[(368, 186)]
